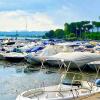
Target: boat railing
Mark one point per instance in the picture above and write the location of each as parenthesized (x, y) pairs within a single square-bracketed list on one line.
[(32, 93)]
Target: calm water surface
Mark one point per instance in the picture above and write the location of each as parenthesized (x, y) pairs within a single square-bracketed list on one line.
[(15, 78)]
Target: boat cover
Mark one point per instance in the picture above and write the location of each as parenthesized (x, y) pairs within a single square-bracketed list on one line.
[(79, 58)]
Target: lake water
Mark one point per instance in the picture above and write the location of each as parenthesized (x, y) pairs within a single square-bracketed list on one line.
[(16, 78)]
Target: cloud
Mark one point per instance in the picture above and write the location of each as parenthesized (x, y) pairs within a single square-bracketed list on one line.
[(45, 14), (17, 20)]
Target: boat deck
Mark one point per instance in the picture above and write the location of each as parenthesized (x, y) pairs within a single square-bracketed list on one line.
[(92, 97), (52, 92)]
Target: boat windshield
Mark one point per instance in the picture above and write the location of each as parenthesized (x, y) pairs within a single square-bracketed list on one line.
[(71, 78)]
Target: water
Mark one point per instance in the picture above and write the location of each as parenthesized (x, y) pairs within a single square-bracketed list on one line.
[(15, 78), (6, 37)]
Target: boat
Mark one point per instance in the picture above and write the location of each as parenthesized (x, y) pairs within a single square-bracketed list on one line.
[(53, 93), (14, 56), (2, 55), (76, 89), (26, 47), (38, 57), (94, 65), (8, 42), (49, 50), (80, 58), (97, 49)]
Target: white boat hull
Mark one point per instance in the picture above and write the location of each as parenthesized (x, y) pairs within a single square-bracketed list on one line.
[(51, 93), (33, 60), (59, 63)]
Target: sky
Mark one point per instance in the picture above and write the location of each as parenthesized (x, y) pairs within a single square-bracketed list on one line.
[(44, 15)]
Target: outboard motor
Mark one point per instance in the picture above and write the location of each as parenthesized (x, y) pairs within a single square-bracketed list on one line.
[(98, 82)]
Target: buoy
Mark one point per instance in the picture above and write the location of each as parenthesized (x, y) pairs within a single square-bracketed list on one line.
[(98, 82)]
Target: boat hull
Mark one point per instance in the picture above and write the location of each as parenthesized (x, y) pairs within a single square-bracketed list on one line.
[(59, 63), (14, 59), (51, 93), (1, 56), (33, 60)]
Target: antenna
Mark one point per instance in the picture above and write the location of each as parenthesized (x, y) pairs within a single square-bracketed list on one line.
[(26, 23), (25, 20)]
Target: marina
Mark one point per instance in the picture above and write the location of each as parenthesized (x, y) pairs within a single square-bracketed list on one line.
[(49, 50), (41, 63)]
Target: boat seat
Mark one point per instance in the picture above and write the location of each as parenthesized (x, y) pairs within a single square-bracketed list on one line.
[(86, 84), (86, 87), (32, 93)]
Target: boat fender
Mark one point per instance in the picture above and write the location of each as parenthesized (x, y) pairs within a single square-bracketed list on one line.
[(97, 82)]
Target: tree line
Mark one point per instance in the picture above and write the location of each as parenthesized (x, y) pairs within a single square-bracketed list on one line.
[(76, 30)]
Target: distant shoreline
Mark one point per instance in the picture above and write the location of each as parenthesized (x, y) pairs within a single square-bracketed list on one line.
[(22, 34), (20, 37)]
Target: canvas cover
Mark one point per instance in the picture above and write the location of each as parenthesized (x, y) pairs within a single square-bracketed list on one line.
[(79, 58)]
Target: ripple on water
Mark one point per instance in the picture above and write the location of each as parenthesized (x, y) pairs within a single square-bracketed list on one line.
[(13, 80)]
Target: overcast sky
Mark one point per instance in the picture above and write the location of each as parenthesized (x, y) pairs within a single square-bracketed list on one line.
[(43, 15)]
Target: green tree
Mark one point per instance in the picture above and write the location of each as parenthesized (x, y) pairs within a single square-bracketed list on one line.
[(59, 33), (97, 25), (72, 35), (66, 29), (50, 34)]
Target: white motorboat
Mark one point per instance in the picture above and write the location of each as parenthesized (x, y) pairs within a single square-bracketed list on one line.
[(2, 55), (14, 56), (26, 47), (36, 58), (63, 91), (79, 58)]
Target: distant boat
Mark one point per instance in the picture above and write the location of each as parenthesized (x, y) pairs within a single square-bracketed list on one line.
[(2, 55), (14, 56), (8, 42)]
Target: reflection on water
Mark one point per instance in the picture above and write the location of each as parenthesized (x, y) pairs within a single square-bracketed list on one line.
[(16, 78)]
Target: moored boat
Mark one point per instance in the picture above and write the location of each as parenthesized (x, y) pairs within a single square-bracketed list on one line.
[(61, 92), (49, 50), (67, 91), (79, 58), (14, 56)]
